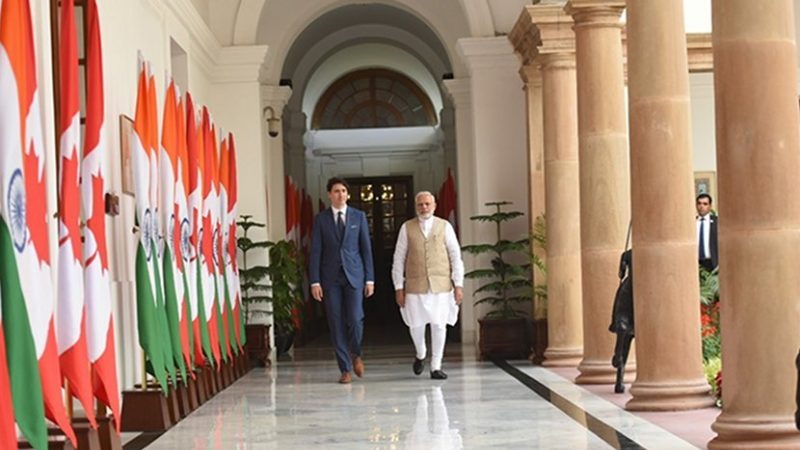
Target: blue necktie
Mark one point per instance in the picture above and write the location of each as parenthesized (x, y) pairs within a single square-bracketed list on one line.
[(702, 239), (340, 225)]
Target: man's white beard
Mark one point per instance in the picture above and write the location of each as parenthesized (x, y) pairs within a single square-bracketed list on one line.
[(425, 216)]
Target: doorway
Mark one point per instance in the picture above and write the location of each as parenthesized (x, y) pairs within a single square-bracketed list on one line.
[(388, 202)]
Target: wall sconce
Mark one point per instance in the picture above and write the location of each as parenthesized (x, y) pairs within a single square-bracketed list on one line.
[(273, 122)]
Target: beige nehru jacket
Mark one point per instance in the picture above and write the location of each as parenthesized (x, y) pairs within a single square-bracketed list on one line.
[(427, 263)]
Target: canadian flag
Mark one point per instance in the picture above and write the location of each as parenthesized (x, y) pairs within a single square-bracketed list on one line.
[(70, 317), (97, 280), (446, 205)]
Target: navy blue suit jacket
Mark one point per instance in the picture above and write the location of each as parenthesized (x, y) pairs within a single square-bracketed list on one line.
[(353, 253)]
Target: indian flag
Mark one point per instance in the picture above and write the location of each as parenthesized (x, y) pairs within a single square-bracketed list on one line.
[(149, 336), (8, 433), (25, 274), (173, 279), (209, 236), (97, 280), (182, 232), (71, 307), (194, 271), (157, 237)]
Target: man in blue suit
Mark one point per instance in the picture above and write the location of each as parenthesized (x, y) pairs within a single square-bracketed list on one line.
[(341, 272)]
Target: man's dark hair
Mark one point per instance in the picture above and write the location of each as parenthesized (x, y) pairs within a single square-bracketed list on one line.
[(336, 180), (703, 195)]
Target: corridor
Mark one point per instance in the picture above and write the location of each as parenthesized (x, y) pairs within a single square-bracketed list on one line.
[(297, 404)]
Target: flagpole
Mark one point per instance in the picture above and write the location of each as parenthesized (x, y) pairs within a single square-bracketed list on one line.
[(68, 400), (144, 370)]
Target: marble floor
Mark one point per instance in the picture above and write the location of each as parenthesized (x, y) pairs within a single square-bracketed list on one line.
[(297, 404)]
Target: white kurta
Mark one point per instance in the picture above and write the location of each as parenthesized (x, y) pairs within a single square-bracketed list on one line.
[(422, 309)]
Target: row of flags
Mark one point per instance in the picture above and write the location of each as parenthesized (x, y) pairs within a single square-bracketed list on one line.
[(446, 201), (187, 278), (47, 335), (299, 222)]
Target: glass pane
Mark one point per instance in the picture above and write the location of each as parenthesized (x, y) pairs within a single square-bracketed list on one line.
[(387, 209), (367, 195), (400, 191), (388, 224), (387, 192)]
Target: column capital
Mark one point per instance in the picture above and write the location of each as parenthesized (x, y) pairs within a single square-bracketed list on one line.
[(275, 97), (555, 27), (525, 38), (531, 75), (460, 92), (596, 13), (240, 63)]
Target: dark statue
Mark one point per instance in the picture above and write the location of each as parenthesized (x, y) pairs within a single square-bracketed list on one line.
[(622, 319)]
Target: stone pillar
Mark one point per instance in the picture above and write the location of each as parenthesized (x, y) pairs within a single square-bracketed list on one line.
[(604, 176), (275, 97), (532, 77), (758, 159), (525, 38), (669, 364), (562, 193), (458, 90)]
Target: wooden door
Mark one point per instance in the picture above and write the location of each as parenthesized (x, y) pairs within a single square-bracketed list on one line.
[(388, 202)]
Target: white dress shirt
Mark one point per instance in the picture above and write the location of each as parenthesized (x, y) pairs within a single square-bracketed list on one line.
[(706, 220)]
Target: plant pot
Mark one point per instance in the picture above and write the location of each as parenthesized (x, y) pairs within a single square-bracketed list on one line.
[(258, 344), (504, 338), (284, 338), (538, 340)]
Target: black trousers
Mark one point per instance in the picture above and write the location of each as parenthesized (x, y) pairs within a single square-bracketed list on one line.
[(707, 264)]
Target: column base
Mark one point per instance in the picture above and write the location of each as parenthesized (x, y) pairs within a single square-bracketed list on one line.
[(600, 371), (754, 432), (562, 357), (665, 396)]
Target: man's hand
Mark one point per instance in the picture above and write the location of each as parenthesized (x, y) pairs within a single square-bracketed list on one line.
[(316, 292), (369, 289), (400, 298), (458, 294)]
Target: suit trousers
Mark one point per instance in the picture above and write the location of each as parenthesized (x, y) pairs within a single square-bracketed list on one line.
[(345, 310)]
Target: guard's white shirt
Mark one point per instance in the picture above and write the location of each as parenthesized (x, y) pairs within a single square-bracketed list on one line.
[(427, 308), (706, 220)]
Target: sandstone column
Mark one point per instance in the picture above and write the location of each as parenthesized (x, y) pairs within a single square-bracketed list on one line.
[(669, 363), (604, 176), (532, 77), (758, 160), (525, 38), (560, 110)]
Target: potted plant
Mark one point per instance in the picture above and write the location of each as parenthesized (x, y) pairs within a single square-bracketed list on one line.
[(504, 285), (286, 278), (254, 291), (539, 331)]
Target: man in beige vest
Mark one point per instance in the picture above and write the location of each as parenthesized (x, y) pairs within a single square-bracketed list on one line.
[(428, 277)]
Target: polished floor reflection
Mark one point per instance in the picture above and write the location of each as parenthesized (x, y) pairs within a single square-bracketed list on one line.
[(298, 405)]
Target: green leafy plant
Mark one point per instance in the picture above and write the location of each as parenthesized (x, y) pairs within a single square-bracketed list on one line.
[(539, 240), (286, 275), (504, 284), (710, 330), (252, 278)]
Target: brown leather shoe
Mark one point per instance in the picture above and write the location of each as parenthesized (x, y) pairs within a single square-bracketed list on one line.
[(358, 366), (345, 378)]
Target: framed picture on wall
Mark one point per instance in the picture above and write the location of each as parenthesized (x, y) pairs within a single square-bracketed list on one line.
[(126, 145), (706, 183)]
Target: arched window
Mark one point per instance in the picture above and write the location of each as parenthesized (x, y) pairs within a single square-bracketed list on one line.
[(373, 98)]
